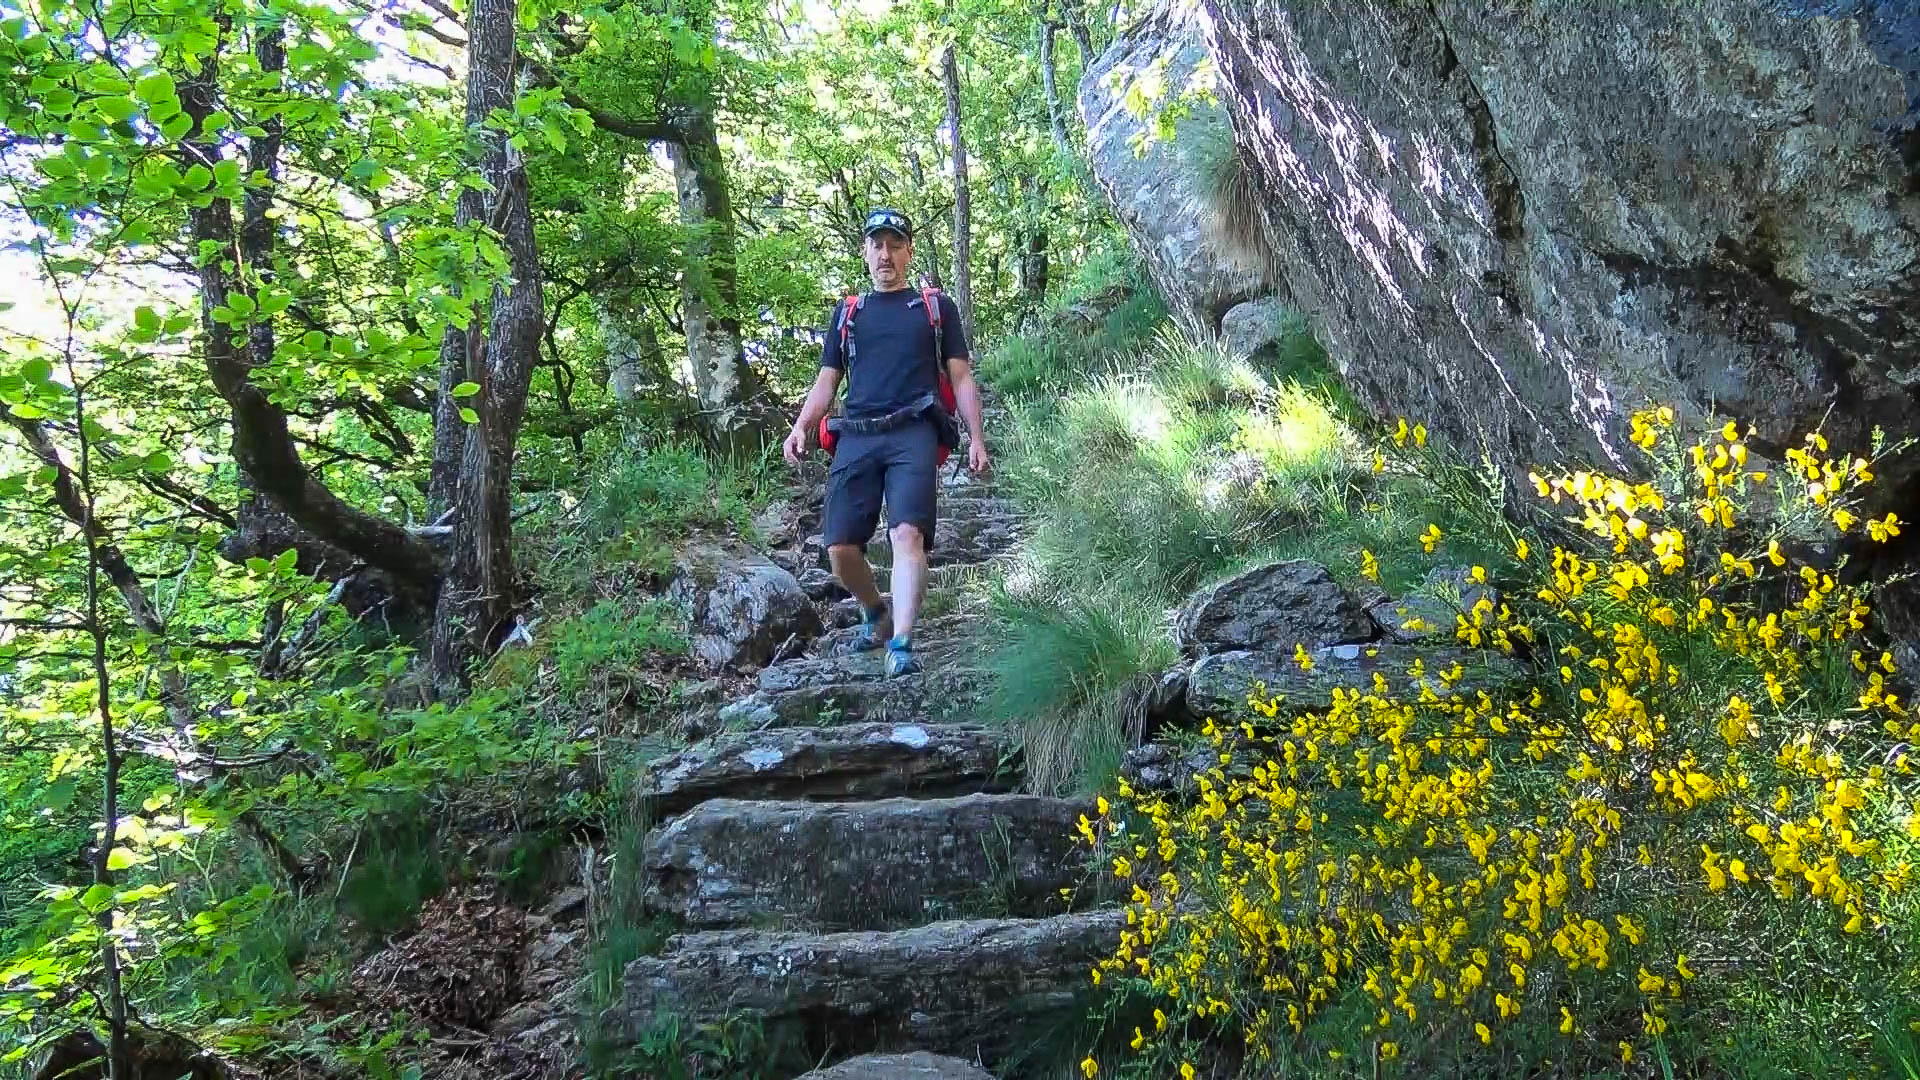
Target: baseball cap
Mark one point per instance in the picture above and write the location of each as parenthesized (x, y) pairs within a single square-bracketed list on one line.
[(886, 218)]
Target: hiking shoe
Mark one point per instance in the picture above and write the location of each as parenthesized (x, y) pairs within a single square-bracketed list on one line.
[(872, 631), (900, 659)]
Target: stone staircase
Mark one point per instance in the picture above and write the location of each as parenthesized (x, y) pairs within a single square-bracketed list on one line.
[(851, 857)]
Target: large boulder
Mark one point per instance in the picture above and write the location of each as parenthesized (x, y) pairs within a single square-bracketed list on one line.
[(1272, 607), (1159, 188), (742, 608), (864, 865), (1520, 221)]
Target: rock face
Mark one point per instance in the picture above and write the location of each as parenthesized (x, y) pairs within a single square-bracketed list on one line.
[(742, 607), (1218, 684), (730, 862), (1520, 221), (1160, 196), (918, 1066), (1272, 608), (856, 761), (962, 987)]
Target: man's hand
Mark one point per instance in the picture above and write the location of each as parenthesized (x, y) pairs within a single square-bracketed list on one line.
[(796, 445), (977, 460)]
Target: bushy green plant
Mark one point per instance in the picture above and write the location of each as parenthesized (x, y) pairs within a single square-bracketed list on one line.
[(1687, 841)]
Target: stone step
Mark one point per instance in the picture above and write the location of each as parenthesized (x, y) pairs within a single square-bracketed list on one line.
[(864, 865), (919, 1065), (973, 988), (854, 761), (935, 695)]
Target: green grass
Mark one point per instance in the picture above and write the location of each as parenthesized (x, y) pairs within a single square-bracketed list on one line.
[(1058, 677), (1164, 467)]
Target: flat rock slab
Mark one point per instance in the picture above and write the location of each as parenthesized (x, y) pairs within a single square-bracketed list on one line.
[(967, 987), (915, 1066), (854, 761), (1217, 685), (894, 862)]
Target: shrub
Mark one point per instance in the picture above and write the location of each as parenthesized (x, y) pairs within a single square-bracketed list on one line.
[(1690, 843)]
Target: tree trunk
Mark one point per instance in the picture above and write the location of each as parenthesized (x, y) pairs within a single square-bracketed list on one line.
[(927, 234), (1033, 266), (449, 433), (1049, 83), (478, 598), (263, 448), (633, 351), (1077, 25), (710, 296), (962, 201)]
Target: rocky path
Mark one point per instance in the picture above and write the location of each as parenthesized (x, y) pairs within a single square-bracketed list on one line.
[(851, 855)]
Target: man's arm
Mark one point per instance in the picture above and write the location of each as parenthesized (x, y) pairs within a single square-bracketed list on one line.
[(966, 395), (819, 400)]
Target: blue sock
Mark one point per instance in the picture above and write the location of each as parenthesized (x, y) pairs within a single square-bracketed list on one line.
[(899, 641)]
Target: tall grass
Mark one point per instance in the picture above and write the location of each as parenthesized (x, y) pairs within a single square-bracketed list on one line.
[(1167, 466)]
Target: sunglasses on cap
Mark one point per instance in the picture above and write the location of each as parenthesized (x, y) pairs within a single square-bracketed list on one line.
[(887, 219)]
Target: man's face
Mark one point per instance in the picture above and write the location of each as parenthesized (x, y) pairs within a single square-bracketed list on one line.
[(887, 254)]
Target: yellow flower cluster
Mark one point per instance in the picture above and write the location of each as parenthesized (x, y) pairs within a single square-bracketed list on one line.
[(1480, 852)]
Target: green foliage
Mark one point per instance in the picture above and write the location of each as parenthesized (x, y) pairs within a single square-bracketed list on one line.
[(401, 864), (606, 644), (1126, 312)]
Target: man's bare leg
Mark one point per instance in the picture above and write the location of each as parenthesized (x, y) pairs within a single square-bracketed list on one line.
[(850, 565), (909, 576)]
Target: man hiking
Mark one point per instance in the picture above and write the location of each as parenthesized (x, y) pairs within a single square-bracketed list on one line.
[(893, 348)]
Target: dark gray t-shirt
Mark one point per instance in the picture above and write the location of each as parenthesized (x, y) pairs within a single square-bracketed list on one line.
[(892, 351)]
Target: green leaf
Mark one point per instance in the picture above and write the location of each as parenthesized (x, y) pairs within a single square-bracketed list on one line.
[(466, 414), (120, 108), (158, 462), (29, 412), (226, 171), (177, 127), (241, 303), (146, 318), (197, 178), (465, 389), (258, 565), (120, 858), (155, 87), (287, 559), (37, 370)]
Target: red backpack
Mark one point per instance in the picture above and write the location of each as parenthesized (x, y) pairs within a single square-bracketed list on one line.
[(929, 299)]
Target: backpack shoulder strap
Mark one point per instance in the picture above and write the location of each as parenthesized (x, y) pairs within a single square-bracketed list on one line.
[(848, 308), (930, 299)]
